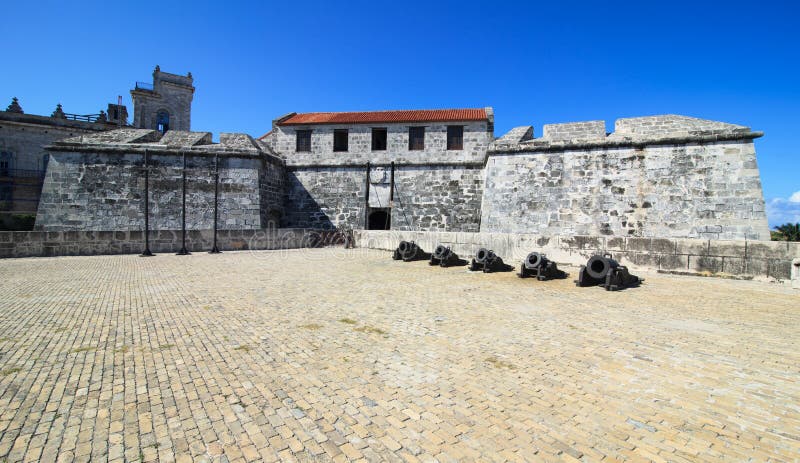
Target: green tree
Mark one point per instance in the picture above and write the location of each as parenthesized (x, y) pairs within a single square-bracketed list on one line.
[(789, 232)]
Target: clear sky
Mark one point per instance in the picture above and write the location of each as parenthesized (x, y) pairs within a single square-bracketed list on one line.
[(534, 62)]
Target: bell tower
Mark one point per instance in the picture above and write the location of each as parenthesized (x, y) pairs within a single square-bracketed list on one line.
[(166, 104)]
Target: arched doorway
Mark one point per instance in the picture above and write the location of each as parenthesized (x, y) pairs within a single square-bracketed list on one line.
[(379, 219), (162, 121)]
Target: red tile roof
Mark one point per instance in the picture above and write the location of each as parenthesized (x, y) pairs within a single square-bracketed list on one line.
[(371, 117)]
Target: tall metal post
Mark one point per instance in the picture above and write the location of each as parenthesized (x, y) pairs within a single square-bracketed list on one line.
[(215, 249), (183, 251), (366, 202), (391, 198), (146, 252)]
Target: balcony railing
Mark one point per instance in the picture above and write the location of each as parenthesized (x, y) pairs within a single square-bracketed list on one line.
[(82, 117)]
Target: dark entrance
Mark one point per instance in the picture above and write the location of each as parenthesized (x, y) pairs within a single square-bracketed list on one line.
[(379, 219)]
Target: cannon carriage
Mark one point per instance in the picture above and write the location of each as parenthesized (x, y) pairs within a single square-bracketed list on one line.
[(539, 266), (487, 261), (443, 256), (604, 271), (408, 251)]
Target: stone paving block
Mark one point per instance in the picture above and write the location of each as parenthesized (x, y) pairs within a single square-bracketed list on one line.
[(264, 356)]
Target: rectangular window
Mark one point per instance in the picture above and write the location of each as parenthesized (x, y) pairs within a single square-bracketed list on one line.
[(340, 140), (378, 139), (416, 138), (455, 137), (303, 141)]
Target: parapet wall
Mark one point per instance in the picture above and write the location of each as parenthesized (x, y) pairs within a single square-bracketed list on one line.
[(89, 243), (759, 260)]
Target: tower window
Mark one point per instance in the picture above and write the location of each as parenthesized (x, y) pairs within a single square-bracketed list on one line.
[(340, 140), (455, 137), (416, 138), (378, 139), (162, 121), (303, 144)]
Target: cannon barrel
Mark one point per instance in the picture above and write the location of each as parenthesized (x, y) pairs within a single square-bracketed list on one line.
[(535, 260), (599, 266), (408, 251), (484, 256), (442, 252)]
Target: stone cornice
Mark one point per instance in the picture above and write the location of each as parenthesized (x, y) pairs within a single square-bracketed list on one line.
[(544, 145)]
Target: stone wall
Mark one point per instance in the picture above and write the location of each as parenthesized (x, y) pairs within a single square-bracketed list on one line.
[(760, 260), (88, 243), (435, 188), (476, 140), (426, 197), (97, 183), (654, 177)]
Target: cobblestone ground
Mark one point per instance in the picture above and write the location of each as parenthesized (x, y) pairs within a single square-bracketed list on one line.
[(341, 355)]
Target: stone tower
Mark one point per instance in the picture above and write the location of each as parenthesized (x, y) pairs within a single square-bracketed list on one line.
[(164, 105)]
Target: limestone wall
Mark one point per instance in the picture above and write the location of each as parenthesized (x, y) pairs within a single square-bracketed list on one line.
[(89, 243), (664, 176), (426, 197), (760, 260), (105, 191)]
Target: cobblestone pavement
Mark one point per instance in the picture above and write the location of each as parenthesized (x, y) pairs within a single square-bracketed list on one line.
[(329, 354)]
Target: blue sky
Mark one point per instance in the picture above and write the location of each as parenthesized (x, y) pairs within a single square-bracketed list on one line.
[(535, 63)]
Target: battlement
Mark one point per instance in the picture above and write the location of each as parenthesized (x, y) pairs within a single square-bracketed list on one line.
[(634, 131)]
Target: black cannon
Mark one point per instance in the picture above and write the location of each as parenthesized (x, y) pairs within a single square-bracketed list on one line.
[(539, 266), (444, 257), (606, 272), (408, 251), (488, 261)]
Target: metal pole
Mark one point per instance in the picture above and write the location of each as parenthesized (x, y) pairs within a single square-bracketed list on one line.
[(366, 202), (391, 198), (146, 252), (215, 249), (183, 251)]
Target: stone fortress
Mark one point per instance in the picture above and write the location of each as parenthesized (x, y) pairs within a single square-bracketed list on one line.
[(437, 171)]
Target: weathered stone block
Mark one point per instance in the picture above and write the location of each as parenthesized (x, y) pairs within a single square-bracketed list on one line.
[(691, 246), (705, 264), (637, 244), (779, 268), (728, 248), (642, 259), (734, 265), (796, 273), (756, 266), (768, 249), (673, 262)]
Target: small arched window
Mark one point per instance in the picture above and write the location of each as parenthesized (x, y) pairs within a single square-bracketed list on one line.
[(162, 121)]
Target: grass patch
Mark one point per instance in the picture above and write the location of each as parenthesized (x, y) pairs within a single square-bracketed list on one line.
[(497, 363), (166, 346), (370, 329), (243, 347), (10, 371), (311, 326), (348, 321), (61, 330), (123, 350), (82, 349), (6, 339)]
